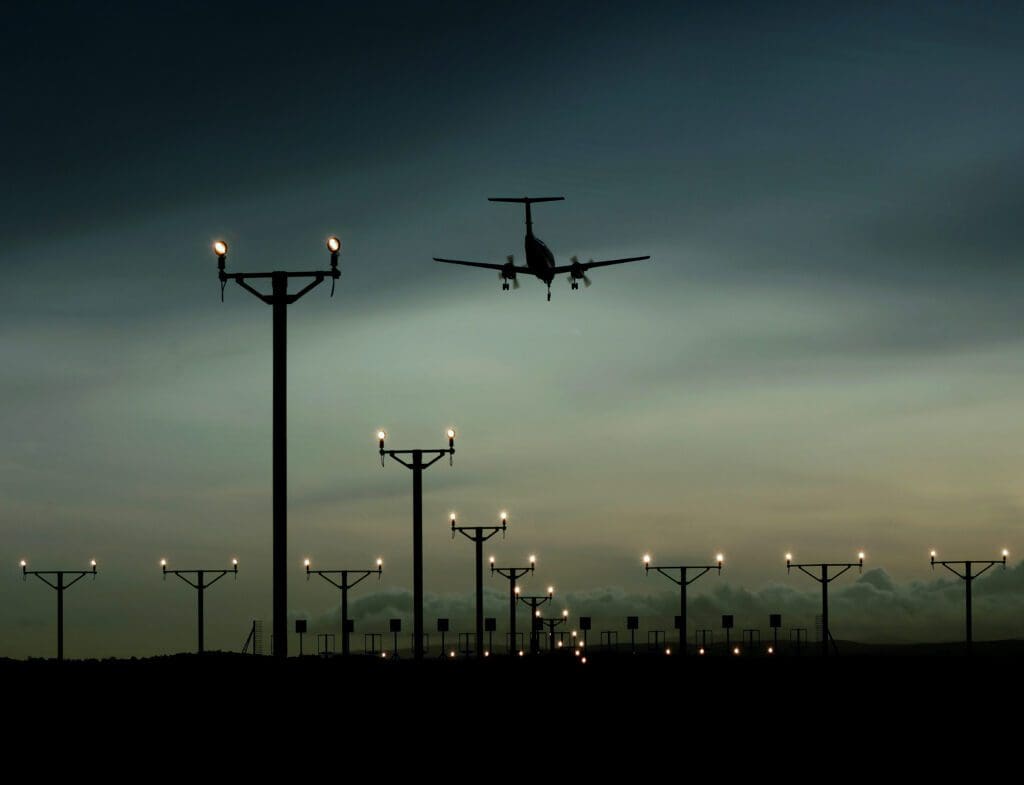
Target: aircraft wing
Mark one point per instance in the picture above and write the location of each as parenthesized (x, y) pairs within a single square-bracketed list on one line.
[(565, 268), (485, 265)]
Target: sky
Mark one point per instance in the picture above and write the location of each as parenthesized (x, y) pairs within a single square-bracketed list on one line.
[(824, 355)]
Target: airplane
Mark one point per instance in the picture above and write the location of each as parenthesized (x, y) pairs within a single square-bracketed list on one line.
[(540, 262)]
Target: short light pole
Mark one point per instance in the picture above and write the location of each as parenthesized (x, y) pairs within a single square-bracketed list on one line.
[(200, 585), (279, 299), (478, 535), (551, 623), (682, 582), (968, 576), (533, 602), (513, 574), (825, 579), (417, 464), (348, 579), (59, 585)]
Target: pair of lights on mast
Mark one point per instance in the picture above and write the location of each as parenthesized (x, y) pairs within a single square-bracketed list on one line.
[(719, 558), (163, 563), (24, 564), (860, 557), (504, 522), (220, 249), (1005, 553), (382, 435), (307, 563)]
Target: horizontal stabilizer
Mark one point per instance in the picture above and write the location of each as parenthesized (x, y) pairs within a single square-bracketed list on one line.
[(525, 199)]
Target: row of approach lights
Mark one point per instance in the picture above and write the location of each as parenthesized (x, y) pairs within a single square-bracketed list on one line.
[(789, 556), (533, 559)]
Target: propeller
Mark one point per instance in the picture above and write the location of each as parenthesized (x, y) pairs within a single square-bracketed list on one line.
[(509, 273), (577, 271)]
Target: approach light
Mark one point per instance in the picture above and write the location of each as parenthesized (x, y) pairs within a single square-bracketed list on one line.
[(533, 560), (517, 590), (736, 650), (771, 650), (551, 589), (163, 562), (647, 559), (504, 517), (720, 558), (861, 555), (538, 614), (565, 614), (333, 244), (934, 554), (306, 564), (789, 557), (24, 564), (380, 563), (234, 562), (668, 651), (92, 563), (1005, 553), (700, 650), (220, 248), (492, 560)]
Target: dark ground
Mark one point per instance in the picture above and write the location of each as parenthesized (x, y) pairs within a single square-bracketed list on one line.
[(871, 704)]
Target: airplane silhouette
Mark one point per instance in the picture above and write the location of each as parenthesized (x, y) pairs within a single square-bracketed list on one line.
[(540, 262)]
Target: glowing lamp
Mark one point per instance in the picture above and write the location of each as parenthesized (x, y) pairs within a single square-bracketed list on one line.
[(333, 244), (220, 248)]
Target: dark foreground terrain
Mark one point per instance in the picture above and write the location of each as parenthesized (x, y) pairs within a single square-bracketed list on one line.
[(867, 707)]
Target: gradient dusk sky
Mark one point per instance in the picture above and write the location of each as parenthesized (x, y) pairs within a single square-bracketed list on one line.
[(824, 356)]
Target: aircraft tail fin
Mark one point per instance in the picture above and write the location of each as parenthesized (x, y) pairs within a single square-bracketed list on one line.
[(526, 200)]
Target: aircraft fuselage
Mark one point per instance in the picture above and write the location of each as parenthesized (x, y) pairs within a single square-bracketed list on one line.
[(539, 258)]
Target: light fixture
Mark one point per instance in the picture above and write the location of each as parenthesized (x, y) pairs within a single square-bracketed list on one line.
[(333, 244)]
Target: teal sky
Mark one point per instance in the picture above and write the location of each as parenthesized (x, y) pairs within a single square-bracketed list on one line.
[(824, 356)]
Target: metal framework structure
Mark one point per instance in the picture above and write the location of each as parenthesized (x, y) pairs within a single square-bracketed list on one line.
[(682, 582), (551, 623), (512, 574), (478, 535), (417, 465), (59, 586), (825, 579), (347, 581), (279, 299), (200, 585), (968, 576), (534, 601)]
